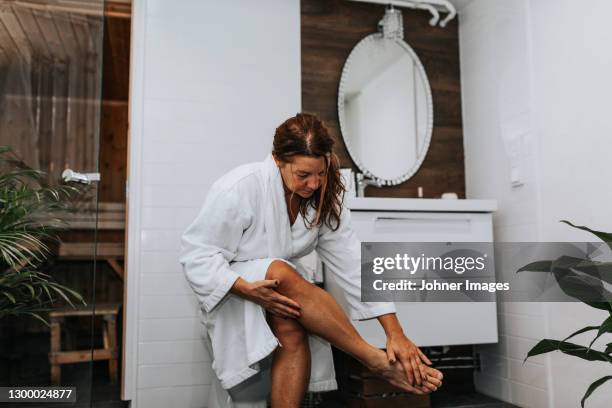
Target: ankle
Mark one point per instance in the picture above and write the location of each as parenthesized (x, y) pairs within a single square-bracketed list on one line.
[(376, 359)]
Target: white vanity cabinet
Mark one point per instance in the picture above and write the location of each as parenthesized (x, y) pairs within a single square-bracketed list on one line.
[(427, 220)]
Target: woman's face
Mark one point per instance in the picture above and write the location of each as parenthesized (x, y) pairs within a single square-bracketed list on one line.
[(304, 175)]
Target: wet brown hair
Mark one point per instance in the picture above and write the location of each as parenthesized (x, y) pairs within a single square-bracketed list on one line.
[(306, 135)]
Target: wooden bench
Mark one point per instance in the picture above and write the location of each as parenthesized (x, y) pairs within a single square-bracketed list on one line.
[(111, 252), (103, 216), (90, 217), (109, 352)]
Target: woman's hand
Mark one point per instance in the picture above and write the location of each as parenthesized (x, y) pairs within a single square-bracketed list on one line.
[(413, 361), (262, 292), (400, 348)]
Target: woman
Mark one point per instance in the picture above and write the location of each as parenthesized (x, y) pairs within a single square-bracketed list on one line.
[(239, 256)]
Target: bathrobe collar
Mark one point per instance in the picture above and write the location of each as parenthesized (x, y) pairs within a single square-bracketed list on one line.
[(278, 228)]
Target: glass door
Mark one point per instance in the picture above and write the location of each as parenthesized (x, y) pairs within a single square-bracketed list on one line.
[(54, 328)]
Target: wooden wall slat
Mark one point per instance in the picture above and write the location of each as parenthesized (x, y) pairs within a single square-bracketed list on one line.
[(114, 121), (113, 152)]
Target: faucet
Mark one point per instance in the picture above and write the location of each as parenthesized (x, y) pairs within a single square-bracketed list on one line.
[(363, 182)]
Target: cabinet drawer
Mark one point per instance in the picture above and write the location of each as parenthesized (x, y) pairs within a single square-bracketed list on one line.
[(431, 323), (391, 226)]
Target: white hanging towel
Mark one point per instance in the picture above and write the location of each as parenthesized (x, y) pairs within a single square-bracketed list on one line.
[(242, 227)]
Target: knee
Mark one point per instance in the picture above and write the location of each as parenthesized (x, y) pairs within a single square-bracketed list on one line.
[(290, 333), (288, 278)]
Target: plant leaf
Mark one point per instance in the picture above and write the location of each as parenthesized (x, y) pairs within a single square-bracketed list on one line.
[(31, 288), (606, 327), (585, 288), (538, 266), (548, 345), (61, 293), (601, 270), (9, 296), (37, 316), (604, 236), (583, 353), (601, 305), (31, 214), (75, 294), (587, 291), (583, 330), (593, 387), (543, 346)]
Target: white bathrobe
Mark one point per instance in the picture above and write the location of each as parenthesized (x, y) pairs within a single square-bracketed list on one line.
[(242, 227)]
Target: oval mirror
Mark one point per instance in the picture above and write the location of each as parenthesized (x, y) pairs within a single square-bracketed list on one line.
[(385, 108)]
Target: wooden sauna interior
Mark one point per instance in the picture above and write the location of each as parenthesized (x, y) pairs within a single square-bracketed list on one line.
[(70, 110)]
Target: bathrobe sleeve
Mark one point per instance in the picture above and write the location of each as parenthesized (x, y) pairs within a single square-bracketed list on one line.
[(211, 242), (340, 251)]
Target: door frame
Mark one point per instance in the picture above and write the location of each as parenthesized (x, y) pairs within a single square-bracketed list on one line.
[(131, 295)]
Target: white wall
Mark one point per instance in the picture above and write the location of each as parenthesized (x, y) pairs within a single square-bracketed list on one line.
[(211, 80), (536, 88), (573, 90)]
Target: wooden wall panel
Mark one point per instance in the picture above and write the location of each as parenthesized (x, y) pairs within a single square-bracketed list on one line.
[(113, 151), (114, 121), (331, 28), (116, 59)]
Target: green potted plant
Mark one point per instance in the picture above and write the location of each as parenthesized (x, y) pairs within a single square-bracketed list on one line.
[(30, 217), (582, 279)]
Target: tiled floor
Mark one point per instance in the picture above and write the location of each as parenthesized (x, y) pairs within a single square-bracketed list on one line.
[(471, 399), (452, 399), (457, 393)]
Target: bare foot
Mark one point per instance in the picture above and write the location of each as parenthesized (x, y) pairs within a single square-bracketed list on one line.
[(433, 379), (395, 374)]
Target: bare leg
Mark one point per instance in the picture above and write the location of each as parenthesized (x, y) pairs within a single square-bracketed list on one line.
[(290, 363), (321, 315)]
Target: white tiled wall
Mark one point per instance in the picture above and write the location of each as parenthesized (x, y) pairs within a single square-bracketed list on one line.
[(534, 87), (211, 81)]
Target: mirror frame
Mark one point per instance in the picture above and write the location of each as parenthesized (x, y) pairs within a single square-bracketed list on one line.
[(429, 100)]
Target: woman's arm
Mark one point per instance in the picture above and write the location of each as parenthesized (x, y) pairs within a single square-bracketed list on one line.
[(340, 251), (210, 243), (400, 347), (390, 324)]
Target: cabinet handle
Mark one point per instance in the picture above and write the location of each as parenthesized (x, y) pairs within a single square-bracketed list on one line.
[(396, 219), (387, 218)]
